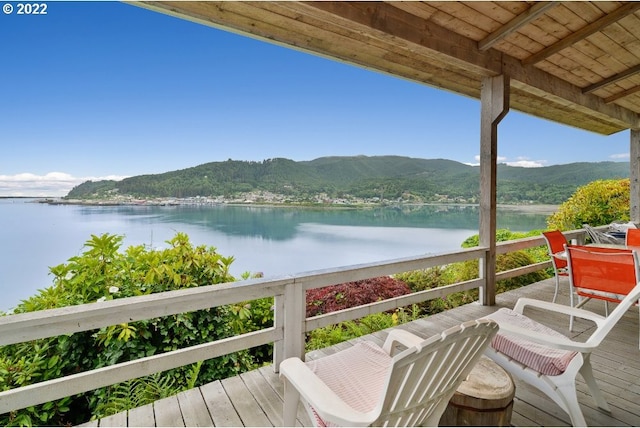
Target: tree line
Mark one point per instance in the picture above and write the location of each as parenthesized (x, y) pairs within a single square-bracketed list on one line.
[(386, 177)]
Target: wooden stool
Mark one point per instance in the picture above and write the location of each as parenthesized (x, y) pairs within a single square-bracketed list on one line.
[(485, 398)]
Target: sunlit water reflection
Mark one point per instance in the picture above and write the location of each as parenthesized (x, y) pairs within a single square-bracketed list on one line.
[(271, 240)]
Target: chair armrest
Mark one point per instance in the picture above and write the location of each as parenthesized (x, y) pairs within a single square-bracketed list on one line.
[(399, 336), (556, 307), (328, 405), (556, 342)]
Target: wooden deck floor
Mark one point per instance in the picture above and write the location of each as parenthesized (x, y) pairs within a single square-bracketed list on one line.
[(255, 398)]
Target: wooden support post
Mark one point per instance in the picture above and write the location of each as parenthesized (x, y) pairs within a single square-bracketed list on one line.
[(495, 105), (634, 175)]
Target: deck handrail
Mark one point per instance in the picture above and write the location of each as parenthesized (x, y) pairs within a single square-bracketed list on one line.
[(287, 333)]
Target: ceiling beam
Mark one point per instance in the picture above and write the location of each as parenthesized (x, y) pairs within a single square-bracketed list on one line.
[(622, 94), (391, 21), (612, 79), (583, 33), (515, 24)]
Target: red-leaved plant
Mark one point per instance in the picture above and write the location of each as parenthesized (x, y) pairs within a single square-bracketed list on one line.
[(350, 294)]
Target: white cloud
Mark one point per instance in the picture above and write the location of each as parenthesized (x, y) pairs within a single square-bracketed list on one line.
[(521, 162), (620, 156), (51, 184), (476, 163), (477, 158), (525, 163)]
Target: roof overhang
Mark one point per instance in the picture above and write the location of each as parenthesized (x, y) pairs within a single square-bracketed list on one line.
[(454, 45)]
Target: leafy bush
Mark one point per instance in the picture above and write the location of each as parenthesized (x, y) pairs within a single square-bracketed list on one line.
[(333, 334), (103, 273), (438, 276), (26, 363), (469, 270), (137, 392), (350, 294), (597, 203), (424, 279)]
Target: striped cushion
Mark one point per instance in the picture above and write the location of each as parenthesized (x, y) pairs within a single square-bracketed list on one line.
[(357, 375), (541, 358)]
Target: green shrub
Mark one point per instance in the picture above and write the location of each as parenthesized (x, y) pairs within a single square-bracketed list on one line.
[(104, 273), (438, 276), (598, 203), (334, 334), (424, 279)]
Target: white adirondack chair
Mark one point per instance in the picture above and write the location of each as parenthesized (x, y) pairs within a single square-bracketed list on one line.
[(368, 385), (548, 360)]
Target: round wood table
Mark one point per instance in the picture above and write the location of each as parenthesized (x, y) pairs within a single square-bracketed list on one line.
[(485, 398)]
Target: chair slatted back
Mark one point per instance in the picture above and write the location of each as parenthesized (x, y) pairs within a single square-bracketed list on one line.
[(424, 377), (598, 237), (609, 270), (632, 237), (556, 242)]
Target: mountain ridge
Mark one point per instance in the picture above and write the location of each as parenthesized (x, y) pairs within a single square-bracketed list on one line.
[(390, 177)]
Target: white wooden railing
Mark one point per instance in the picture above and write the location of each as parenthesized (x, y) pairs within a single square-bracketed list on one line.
[(287, 333)]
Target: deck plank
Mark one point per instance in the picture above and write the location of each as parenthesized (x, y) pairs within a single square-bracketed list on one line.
[(116, 420), (244, 403), (219, 405), (526, 414), (167, 411), (264, 395), (194, 410), (142, 417), (538, 407)]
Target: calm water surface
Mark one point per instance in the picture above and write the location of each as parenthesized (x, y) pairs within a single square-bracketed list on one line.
[(274, 241)]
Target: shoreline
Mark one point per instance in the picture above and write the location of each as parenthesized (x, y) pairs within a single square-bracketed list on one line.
[(536, 209), (533, 208)]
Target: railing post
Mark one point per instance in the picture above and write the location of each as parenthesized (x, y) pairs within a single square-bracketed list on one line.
[(290, 314), (482, 274), (278, 324)]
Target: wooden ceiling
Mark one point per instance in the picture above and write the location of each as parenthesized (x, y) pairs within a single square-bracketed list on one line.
[(576, 62)]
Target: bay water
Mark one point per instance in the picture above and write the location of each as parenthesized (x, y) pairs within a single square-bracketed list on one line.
[(271, 240)]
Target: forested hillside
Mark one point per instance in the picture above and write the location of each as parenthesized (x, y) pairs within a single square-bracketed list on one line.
[(386, 177)]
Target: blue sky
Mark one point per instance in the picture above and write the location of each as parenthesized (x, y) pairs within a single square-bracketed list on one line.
[(108, 90)]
